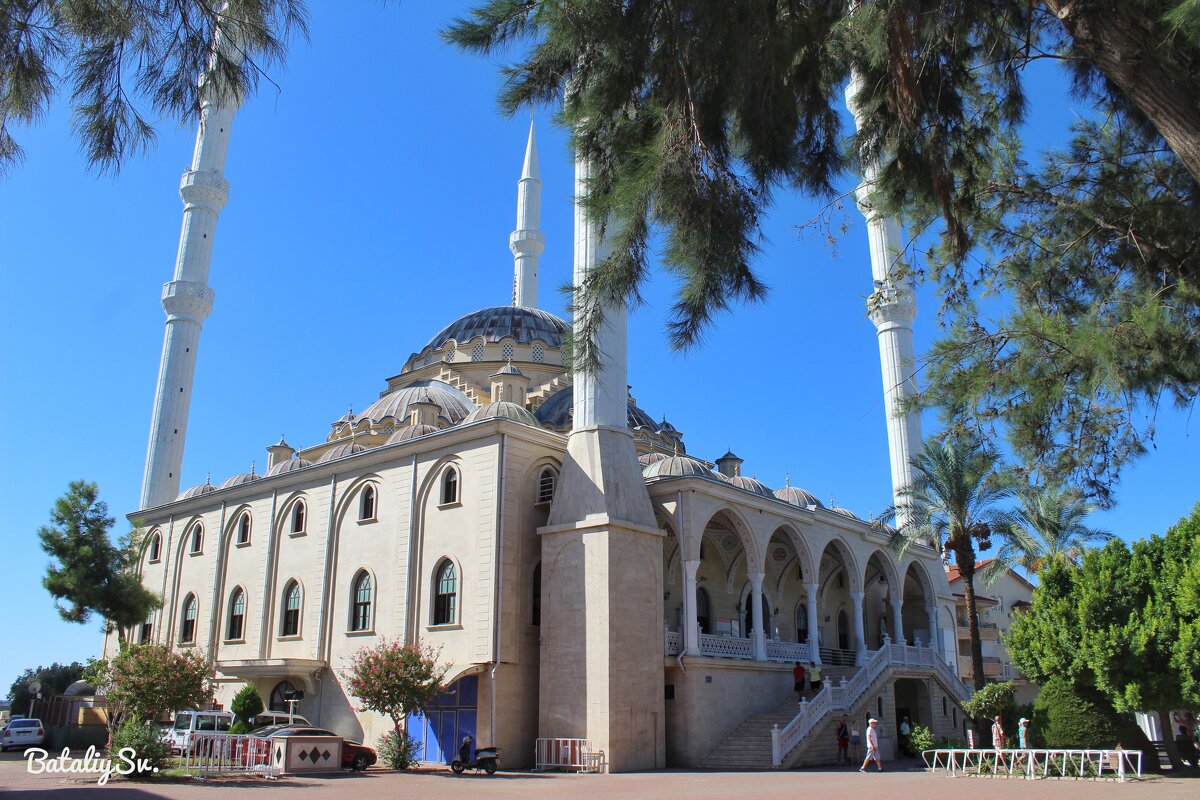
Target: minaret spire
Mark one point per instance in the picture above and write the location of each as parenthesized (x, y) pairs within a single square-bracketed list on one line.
[(892, 307), (527, 241), (187, 299)]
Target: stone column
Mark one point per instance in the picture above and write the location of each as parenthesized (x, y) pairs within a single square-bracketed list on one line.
[(759, 635), (691, 627), (898, 622), (814, 642), (935, 632), (860, 637)]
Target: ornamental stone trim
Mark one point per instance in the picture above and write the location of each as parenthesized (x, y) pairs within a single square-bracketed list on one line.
[(527, 242), (204, 190), (187, 300), (891, 305)]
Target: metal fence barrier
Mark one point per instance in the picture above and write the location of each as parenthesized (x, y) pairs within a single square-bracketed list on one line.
[(1037, 763), (214, 754), (577, 754)]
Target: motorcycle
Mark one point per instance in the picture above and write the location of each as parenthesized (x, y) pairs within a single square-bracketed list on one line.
[(486, 759)]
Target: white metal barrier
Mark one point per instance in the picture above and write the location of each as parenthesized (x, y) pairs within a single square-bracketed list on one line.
[(577, 754), (1037, 763), (212, 754)]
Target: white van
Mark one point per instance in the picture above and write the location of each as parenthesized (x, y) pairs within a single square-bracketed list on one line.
[(189, 723)]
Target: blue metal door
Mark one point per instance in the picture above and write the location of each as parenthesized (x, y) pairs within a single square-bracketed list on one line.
[(451, 716)]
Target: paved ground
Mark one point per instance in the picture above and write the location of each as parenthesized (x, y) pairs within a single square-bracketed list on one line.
[(17, 784)]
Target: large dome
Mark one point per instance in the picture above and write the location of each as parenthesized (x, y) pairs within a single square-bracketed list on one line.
[(556, 412), (453, 403), (502, 322)]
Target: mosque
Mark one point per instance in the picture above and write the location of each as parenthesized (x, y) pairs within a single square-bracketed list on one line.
[(582, 574)]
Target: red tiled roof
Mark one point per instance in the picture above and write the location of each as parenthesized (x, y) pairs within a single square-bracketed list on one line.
[(952, 573)]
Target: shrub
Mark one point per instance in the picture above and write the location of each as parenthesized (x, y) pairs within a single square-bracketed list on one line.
[(239, 728), (920, 739), (147, 743), (397, 750), (1064, 716), (246, 703)]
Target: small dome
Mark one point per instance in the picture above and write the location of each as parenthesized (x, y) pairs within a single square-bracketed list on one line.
[(666, 427), (411, 432), (453, 403), (196, 491), (502, 410), (238, 480), (509, 369), (651, 458), (522, 325), (845, 512), (677, 467), (750, 485), (798, 497), (340, 451), (291, 465), (80, 689)]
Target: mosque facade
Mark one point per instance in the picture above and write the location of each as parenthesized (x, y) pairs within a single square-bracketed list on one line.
[(581, 574)]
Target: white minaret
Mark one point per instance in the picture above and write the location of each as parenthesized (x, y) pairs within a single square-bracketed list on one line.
[(187, 299), (602, 560), (527, 241), (892, 307)]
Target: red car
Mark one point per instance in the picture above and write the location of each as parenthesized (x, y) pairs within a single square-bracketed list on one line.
[(355, 756)]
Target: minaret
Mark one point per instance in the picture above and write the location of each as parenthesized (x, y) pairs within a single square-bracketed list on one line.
[(187, 299), (602, 618), (892, 307), (527, 241)]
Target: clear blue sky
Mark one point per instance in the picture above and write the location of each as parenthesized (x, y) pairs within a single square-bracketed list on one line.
[(372, 198)]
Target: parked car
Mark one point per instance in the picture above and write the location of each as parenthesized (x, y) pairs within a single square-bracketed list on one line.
[(22, 733), (189, 723), (277, 718), (355, 756)]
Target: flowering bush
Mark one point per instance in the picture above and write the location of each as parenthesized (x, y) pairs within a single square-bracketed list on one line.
[(149, 681), (397, 750), (395, 679), (151, 751)]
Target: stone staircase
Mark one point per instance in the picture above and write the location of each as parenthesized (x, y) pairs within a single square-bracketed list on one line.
[(538, 396), (749, 745), (447, 375)]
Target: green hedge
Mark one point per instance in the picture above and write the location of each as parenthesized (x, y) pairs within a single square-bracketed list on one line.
[(1064, 716)]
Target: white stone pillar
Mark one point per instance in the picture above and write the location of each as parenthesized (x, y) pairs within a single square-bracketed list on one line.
[(527, 241), (898, 621), (935, 632), (892, 308), (814, 641), (691, 626), (187, 299), (758, 635), (860, 637)]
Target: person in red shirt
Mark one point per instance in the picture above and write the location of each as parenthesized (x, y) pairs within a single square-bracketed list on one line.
[(798, 679)]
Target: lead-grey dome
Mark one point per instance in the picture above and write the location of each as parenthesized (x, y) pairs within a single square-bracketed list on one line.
[(340, 451), (196, 491), (556, 412), (291, 465), (453, 403), (501, 322), (750, 485), (845, 512), (677, 467), (502, 410), (411, 432), (798, 497), (238, 480)]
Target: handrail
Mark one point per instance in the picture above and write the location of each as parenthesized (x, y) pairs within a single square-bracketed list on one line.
[(1036, 763)]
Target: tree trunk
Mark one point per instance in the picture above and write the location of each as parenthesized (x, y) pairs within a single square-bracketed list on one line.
[(965, 557), (1133, 53), (1168, 729)]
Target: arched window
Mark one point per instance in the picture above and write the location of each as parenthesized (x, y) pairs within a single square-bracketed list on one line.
[(155, 547), (243, 529), (366, 505), (546, 486), (702, 613), (237, 615), (361, 598), (802, 622), (291, 610), (147, 629), (446, 593), (450, 486), (537, 595), (187, 630), (197, 540), (843, 630), (298, 512), (279, 695)]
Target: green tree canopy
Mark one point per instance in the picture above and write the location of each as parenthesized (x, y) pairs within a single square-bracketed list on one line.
[(92, 575), (395, 679), (693, 113), (1124, 622), (122, 60), (148, 682), (54, 680)]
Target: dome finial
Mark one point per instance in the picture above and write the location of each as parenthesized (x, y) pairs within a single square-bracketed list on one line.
[(252, 467), (787, 480), (208, 479)]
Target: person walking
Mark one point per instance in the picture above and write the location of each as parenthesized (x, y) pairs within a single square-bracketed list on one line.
[(842, 732), (798, 679), (905, 730), (872, 746), (855, 740), (1023, 733), (997, 734), (814, 678)]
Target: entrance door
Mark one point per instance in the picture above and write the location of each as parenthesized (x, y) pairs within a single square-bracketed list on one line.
[(451, 716)]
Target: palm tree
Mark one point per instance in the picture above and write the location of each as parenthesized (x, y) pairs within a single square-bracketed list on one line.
[(952, 507), (1048, 527)]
